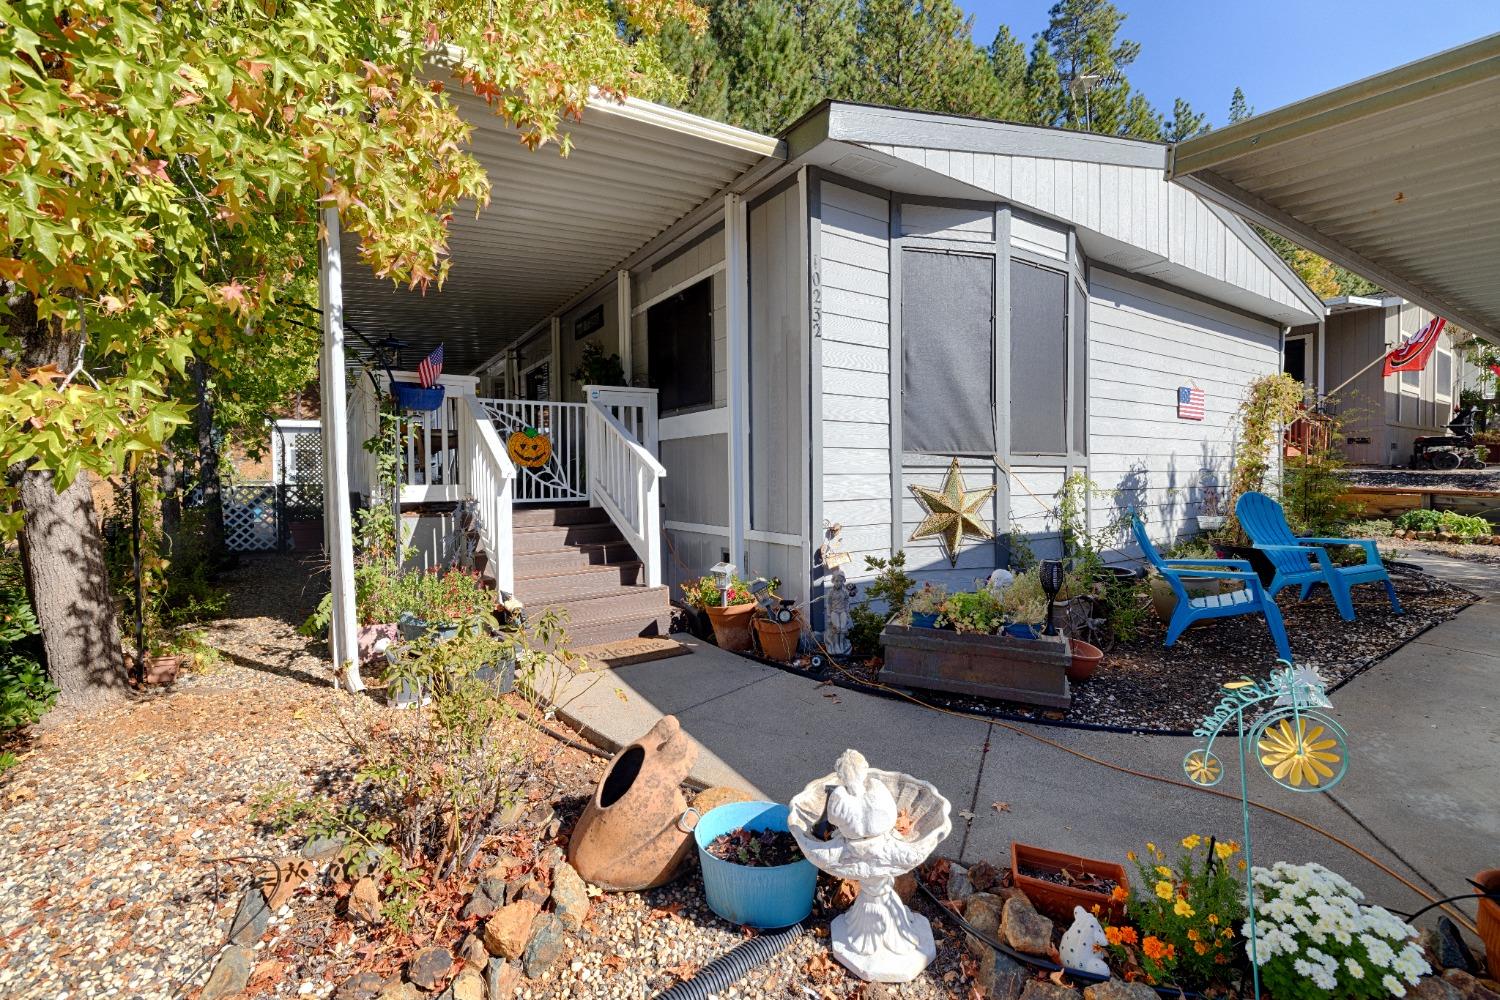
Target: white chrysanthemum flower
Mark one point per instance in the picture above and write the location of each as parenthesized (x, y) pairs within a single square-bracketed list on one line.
[(1355, 969), (1394, 985)]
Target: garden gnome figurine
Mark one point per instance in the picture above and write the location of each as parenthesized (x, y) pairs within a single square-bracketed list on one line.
[(1082, 946), (836, 615)]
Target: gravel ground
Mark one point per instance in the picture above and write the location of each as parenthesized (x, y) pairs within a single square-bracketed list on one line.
[(108, 824), (1147, 686), (1459, 479), (1413, 548)]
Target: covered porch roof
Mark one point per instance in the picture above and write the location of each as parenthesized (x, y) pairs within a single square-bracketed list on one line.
[(554, 225), (1396, 177)]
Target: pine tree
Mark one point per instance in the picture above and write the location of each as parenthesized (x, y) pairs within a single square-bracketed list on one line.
[(922, 55), (1139, 120), (1239, 108), (1044, 92), (1083, 36), (1184, 123), (695, 60), (1008, 61), (771, 68)]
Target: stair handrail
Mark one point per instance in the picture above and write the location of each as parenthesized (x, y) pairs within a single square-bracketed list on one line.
[(488, 475), (624, 478)]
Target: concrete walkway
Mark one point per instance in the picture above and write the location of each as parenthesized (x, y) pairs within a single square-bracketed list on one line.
[(1422, 793)]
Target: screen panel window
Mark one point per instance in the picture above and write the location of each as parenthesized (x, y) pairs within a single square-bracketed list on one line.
[(680, 348), (1443, 375), (947, 353), (1039, 348)]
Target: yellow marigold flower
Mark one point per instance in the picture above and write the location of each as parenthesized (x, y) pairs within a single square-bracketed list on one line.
[(1164, 889), (1192, 934), (1242, 864), (1213, 918), (1182, 909), (1150, 847), (1163, 871), (1225, 848), (1200, 949), (1191, 841), (1129, 855), (1112, 935)]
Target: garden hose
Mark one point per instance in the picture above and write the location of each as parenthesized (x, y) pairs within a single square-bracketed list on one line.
[(729, 968)]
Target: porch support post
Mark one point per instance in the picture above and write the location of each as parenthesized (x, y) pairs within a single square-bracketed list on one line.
[(555, 374), (737, 323), (1322, 341), (343, 638), (622, 319)]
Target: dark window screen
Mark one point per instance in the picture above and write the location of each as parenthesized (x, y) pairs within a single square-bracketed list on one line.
[(947, 353), (1294, 359), (1080, 400), (1038, 360), (537, 383), (680, 348)]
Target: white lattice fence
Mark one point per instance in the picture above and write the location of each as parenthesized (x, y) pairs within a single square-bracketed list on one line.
[(250, 523)]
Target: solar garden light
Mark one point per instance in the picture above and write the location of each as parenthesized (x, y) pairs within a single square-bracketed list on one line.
[(723, 574), (1051, 571)]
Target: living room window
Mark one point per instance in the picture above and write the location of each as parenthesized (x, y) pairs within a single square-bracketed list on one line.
[(680, 348)]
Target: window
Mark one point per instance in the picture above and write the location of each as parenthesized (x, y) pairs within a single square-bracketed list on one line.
[(680, 348), (1443, 375), (1039, 347), (1080, 347), (947, 353), (536, 383), (1294, 358)]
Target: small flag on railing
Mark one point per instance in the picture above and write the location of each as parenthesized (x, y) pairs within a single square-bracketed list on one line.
[(1411, 355), (431, 368), (1190, 402)]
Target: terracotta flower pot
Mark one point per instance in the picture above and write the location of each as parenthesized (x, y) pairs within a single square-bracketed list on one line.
[(1056, 900), (161, 670), (1489, 921), (1086, 657), (732, 626), (778, 641)]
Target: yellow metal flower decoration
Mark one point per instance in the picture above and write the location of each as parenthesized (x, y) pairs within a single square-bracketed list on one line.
[(952, 513), (1299, 753), (1203, 768)]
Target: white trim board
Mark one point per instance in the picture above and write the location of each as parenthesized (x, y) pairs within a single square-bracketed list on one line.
[(700, 423)]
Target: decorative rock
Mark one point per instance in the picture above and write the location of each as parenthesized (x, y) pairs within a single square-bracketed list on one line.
[(1082, 946), (1024, 928), (361, 986), (719, 795), (399, 989), (1118, 989), (501, 978), (959, 886), (1469, 987), (982, 912), (1452, 952), (473, 953), (548, 941), (551, 857), (429, 967), (468, 986), (528, 889), (502, 867), (1433, 988), (321, 849), (231, 972), (570, 896), (364, 903), (506, 933), (1001, 977), (1040, 989), (250, 919), (488, 896)]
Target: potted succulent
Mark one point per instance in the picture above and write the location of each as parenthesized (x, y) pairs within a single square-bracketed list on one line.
[(729, 612), (926, 606), (753, 871), (974, 612), (1024, 605)]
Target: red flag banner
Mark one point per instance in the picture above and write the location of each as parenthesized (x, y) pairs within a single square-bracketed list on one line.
[(1411, 354)]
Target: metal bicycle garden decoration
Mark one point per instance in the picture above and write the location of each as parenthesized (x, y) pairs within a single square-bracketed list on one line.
[(1299, 746)]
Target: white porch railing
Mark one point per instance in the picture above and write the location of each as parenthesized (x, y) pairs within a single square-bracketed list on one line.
[(624, 478), (560, 478), (489, 477)]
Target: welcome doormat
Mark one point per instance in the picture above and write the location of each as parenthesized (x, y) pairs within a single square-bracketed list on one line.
[(628, 652)]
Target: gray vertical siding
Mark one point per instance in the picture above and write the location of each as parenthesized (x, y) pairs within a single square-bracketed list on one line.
[(1145, 342), (854, 286), (777, 436)]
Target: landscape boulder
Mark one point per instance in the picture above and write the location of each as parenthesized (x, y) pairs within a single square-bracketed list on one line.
[(1025, 929), (507, 932)]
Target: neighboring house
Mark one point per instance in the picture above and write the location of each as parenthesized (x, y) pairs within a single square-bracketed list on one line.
[(1380, 417), (877, 293)]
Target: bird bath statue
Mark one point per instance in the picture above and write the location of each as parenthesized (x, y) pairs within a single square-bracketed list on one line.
[(873, 826)]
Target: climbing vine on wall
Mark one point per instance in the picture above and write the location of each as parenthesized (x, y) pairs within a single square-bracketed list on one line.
[(1271, 402)]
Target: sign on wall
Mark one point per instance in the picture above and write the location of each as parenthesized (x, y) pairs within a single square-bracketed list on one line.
[(589, 322), (1190, 402)]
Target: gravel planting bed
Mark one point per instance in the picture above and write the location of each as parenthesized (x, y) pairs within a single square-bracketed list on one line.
[(1146, 686), (1414, 548), (1459, 479)]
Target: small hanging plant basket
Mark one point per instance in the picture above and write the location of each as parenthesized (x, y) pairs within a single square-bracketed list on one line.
[(412, 397)]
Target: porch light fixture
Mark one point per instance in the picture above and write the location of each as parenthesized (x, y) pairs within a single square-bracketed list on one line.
[(1051, 571), (723, 574)]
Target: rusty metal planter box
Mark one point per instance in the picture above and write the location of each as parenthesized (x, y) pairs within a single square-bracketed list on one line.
[(1031, 671)]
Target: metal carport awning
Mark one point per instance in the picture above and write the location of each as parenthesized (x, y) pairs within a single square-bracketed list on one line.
[(1396, 177)]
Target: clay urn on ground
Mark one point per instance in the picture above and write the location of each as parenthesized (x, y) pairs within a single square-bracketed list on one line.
[(635, 832)]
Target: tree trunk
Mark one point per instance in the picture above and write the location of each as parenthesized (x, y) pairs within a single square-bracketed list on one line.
[(62, 553), (208, 470)]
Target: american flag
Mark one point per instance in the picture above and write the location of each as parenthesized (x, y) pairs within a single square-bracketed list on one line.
[(1190, 402), (431, 368)]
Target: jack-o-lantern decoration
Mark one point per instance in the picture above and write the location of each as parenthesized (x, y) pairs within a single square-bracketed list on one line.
[(529, 448)]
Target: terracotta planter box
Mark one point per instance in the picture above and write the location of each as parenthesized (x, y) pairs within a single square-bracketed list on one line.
[(778, 641), (1031, 671), (732, 626), (1055, 900)]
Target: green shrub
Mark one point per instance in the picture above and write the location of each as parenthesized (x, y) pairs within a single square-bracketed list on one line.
[(885, 597), (973, 611), (1444, 521), (1374, 527), (25, 692)]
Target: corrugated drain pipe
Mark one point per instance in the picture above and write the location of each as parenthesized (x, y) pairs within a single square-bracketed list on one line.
[(730, 967)]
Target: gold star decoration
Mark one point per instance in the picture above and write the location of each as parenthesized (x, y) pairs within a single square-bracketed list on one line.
[(952, 513)]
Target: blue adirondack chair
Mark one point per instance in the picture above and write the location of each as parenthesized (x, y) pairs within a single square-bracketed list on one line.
[(1251, 600), (1304, 562)]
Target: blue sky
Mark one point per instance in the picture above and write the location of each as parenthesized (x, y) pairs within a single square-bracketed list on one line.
[(1279, 51)]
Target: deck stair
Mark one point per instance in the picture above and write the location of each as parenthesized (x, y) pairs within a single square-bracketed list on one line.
[(572, 558)]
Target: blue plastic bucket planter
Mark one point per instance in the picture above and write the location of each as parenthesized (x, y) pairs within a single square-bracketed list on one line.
[(410, 396), (923, 619), (756, 897), (1019, 631)]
